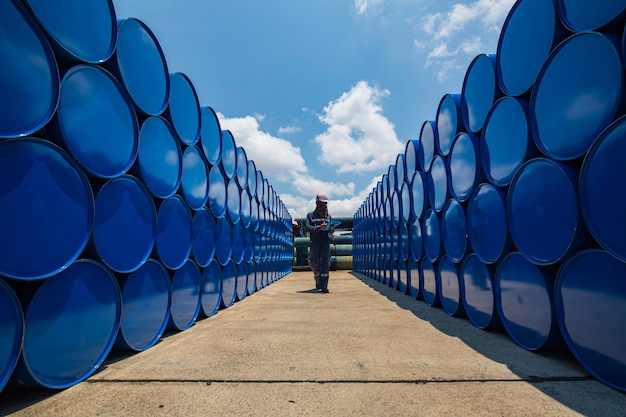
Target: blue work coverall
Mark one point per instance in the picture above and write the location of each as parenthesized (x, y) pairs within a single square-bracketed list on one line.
[(320, 248)]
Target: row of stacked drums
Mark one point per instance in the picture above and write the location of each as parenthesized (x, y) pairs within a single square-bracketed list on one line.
[(510, 207), (340, 251), (125, 209)]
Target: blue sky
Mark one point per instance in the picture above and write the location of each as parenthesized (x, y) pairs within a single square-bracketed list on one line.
[(323, 95)]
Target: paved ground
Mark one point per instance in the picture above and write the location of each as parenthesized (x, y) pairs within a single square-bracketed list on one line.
[(364, 349)]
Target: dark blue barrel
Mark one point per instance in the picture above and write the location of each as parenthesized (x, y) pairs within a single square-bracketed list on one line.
[(186, 293), (210, 135), (246, 208), (407, 213), (396, 208), (403, 242), (543, 216), (251, 270), (448, 122), (238, 243), (211, 297), (252, 181), (242, 167), (217, 191), (569, 109), (233, 200), (431, 235), (480, 90), (582, 15), (260, 179), (29, 77), (590, 301), (437, 183), (242, 281), (487, 226), (524, 295), (81, 303), (194, 178), (393, 180), (478, 293), (464, 166), (400, 170), (97, 122), (254, 214), (601, 189), (415, 240), (159, 161), (183, 110), (429, 286), (450, 286), (530, 31), (394, 245), (12, 331), (174, 232), (142, 67), (229, 284), (506, 141), (46, 209), (124, 227), (203, 244), (248, 248), (426, 150), (418, 193), (79, 30), (454, 230), (146, 300), (413, 277), (229, 154), (411, 158), (223, 240)]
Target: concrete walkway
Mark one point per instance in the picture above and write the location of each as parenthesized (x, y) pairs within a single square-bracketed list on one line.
[(364, 349)]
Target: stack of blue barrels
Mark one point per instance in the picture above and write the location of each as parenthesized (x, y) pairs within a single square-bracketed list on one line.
[(124, 208), (510, 206)]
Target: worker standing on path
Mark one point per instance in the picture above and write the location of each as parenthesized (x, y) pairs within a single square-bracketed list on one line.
[(317, 224)]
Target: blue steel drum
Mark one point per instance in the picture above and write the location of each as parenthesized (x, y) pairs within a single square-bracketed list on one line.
[(480, 91), (590, 301), (46, 209), (543, 216), (195, 178), (186, 294), (251, 270), (211, 287), (454, 231), (478, 293), (448, 122), (242, 281), (96, 121), (426, 149), (252, 181), (431, 235), (530, 31), (30, 84), (174, 234), (464, 166), (238, 243), (403, 241), (223, 240), (437, 183), (146, 299), (582, 15), (12, 331), (413, 277), (406, 202), (450, 286), (569, 109), (210, 135), (487, 226), (394, 243), (415, 240), (159, 161), (254, 214), (233, 200), (229, 155), (248, 245), (81, 303), (203, 243), (601, 183), (393, 180), (242, 167), (418, 193), (396, 208), (183, 109), (124, 228), (142, 67), (246, 208), (229, 284), (524, 295), (259, 186), (217, 191), (400, 170), (430, 285), (411, 158), (79, 30), (506, 141)]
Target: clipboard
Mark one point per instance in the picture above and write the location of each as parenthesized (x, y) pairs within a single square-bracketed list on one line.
[(332, 223)]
